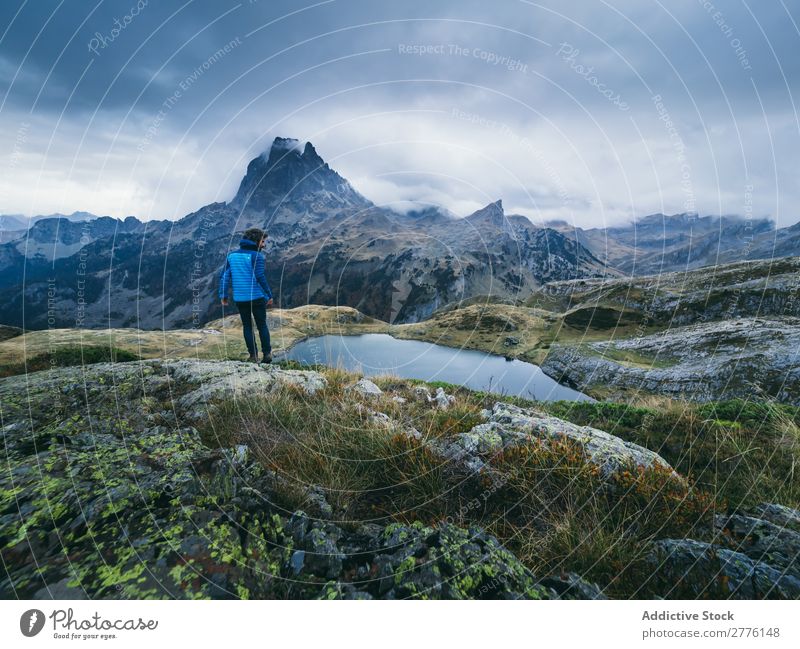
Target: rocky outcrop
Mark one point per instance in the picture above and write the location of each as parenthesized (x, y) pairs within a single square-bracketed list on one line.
[(755, 555), (190, 386), (509, 425), (702, 362), (412, 561), (689, 569)]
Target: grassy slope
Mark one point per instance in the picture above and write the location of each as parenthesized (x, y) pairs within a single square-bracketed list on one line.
[(478, 327), (553, 511), (487, 328), (220, 339)]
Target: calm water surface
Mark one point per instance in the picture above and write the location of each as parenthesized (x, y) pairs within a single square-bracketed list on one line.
[(374, 354)]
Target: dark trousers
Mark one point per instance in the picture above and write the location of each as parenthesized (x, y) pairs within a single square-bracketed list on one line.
[(256, 309)]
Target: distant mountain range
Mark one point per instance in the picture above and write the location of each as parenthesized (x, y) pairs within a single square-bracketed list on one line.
[(661, 243), (328, 245), (17, 222), (14, 226)]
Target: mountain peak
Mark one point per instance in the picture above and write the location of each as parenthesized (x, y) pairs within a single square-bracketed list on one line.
[(310, 153), (497, 206), (285, 143), (492, 212), (292, 173)]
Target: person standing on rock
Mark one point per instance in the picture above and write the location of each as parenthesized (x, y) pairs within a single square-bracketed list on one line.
[(244, 269)]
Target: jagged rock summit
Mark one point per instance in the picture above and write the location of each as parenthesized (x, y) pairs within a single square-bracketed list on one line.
[(294, 173)]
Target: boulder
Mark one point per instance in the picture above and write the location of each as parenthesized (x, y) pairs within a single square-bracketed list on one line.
[(483, 439), (365, 388), (510, 425), (761, 540), (689, 569), (443, 400), (778, 514), (124, 509)]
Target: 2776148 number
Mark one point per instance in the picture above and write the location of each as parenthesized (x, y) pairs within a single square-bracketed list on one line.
[(754, 632)]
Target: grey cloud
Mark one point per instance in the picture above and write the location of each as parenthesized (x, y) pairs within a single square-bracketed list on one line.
[(163, 123)]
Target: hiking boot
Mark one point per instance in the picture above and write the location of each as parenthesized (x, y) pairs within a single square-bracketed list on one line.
[(267, 358), (252, 359)]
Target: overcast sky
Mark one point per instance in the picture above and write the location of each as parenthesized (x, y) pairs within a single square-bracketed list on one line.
[(589, 111)]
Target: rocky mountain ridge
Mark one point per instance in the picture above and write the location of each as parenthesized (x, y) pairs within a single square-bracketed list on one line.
[(328, 245), (661, 243)]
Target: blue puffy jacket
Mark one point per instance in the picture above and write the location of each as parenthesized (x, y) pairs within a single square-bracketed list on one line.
[(244, 268)]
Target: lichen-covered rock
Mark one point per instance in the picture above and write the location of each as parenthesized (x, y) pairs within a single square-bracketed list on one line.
[(405, 561), (779, 514), (701, 362), (132, 514), (510, 425), (98, 501), (366, 388), (761, 540), (442, 399), (685, 568)]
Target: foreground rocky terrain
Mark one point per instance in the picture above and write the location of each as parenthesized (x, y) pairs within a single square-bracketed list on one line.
[(730, 331), (190, 478)]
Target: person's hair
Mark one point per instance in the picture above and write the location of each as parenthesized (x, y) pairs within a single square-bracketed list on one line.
[(254, 234)]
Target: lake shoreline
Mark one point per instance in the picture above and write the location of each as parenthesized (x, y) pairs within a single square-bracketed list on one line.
[(379, 354)]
